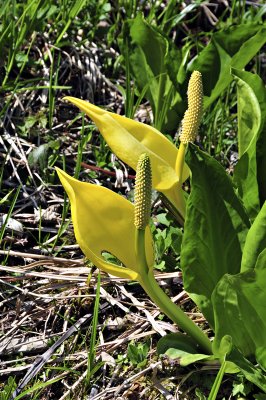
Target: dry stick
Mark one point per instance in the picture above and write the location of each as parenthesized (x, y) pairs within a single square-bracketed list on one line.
[(155, 325), (16, 173), (38, 256), (113, 301), (45, 296), (104, 171), (71, 357), (16, 346), (11, 333), (40, 361), (136, 376), (74, 386), (23, 155)]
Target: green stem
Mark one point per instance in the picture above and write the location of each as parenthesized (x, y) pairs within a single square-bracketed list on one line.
[(217, 382), (157, 295), (140, 251), (151, 287), (180, 161), (175, 313), (158, 120), (176, 196)]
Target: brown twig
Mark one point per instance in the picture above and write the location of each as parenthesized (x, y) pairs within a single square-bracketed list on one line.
[(103, 171)]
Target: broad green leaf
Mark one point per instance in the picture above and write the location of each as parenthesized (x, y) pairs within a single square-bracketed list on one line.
[(260, 354), (149, 55), (225, 346), (239, 309), (252, 98), (261, 260), (222, 350), (215, 230), (233, 47), (251, 373), (175, 340), (249, 47), (182, 347), (245, 178), (223, 79), (251, 128), (255, 241), (248, 107)]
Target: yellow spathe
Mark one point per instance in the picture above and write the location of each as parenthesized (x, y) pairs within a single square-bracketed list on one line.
[(104, 221), (128, 139)]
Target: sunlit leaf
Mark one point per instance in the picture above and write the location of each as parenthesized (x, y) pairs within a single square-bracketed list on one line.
[(214, 232)]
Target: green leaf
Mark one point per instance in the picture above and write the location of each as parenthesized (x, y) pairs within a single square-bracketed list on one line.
[(162, 219), (21, 58), (255, 241), (249, 172), (39, 155), (176, 236), (5, 198), (241, 388), (200, 395), (221, 350), (150, 59), (233, 47), (245, 178), (182, 347), (252, 94), (261, 260), (137, 354), (248, 107), (239, 309), (251, 373), (249, 47), (260, 354), (215, 230), (225, 346)]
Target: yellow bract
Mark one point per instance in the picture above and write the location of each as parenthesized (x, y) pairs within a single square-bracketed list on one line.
[(104, 222), (128, 139)]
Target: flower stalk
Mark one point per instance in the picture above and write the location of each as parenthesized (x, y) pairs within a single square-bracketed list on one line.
[(146, 277), (174, 312)]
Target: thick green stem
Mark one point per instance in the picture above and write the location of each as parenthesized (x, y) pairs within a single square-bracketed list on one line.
[(140, 251), (157, 295), (175, 201), (180, 161), (149, 284), (175, 313)]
